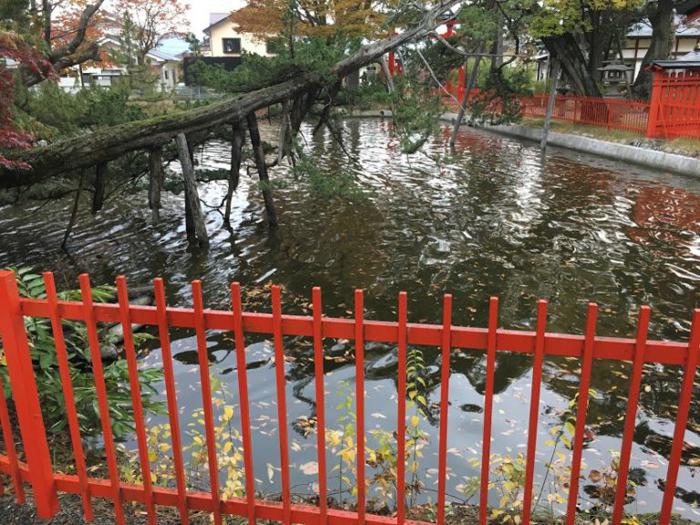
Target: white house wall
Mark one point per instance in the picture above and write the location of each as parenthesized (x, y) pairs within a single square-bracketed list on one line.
[(227, 29)]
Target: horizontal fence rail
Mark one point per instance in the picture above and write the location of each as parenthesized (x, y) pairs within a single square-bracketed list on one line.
[(38, 472)]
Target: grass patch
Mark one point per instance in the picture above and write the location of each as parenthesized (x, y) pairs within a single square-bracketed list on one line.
[(682, 146)]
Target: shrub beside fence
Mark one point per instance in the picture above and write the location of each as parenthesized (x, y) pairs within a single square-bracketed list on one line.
[(38, 471)]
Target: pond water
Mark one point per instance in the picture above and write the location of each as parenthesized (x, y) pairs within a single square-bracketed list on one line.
[(495, 219)]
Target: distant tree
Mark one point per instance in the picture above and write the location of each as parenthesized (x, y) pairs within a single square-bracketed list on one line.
[(41, 43), (70, 36), (195, 44), (582, 34), (338, 20), (660, 16), (14, 47), (148, 22)]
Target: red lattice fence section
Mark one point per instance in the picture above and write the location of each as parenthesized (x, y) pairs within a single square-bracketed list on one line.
[(610, 113), (36, 467), (675, 105)]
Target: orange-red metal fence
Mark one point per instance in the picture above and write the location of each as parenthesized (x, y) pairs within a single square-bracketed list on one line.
[(38, 471), (610, 113)]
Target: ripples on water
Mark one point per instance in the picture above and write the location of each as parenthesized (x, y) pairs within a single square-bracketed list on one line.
[(497, 219)]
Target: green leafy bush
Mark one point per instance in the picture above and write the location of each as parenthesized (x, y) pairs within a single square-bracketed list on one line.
[(255, 72), (48, 380), (52, 112)]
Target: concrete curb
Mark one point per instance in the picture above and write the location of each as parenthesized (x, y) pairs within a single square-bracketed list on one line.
[(622, 152)]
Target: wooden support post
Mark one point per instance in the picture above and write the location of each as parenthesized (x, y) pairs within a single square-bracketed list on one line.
[(74, 210), (554, 77), (98, 198), (285, 129), (387, 75), (189, 221), (235, 174), (262, 168), (473, 77), (26, 397), (193, 209), (155, 182)]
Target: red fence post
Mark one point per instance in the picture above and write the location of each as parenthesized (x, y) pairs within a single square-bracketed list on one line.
[(655, 104), (26, 397), (684, 403), (462, 90)]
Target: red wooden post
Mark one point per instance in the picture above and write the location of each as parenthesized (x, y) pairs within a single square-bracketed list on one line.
[(462, 89), (534, 409), (581, 409), (631, 415), (446, 344), (135, 387), (173, 411), (68, 394), (102, 402), (207, 401), (237, 308), (26, 397), (281, 401), (686, 398), (488, 410), (320, 404), (360, 403), (392, 63), (10, 450), (655, 104), (401, 420)]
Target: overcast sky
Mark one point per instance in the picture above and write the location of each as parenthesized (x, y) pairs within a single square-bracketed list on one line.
[(200, 9)]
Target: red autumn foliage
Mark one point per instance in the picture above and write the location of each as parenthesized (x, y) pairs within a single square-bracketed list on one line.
[(14, 48)]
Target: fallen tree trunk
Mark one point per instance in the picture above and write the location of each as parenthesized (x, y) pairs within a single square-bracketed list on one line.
[(112, 142)]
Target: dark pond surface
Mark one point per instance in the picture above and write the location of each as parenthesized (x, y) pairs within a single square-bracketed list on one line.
[(496, 219)]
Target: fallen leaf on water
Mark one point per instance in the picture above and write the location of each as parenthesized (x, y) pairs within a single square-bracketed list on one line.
[(309, 468)]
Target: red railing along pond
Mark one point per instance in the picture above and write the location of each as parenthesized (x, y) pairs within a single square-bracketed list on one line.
[(610, 113), (36, 467)]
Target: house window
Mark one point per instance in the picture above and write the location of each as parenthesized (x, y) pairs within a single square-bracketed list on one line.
[(232, 46), (165, 74)]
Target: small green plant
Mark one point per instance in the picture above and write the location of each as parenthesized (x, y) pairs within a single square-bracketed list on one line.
[(603, 486), (416, 386), (229, 448), (508, 477), (342, 443)]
